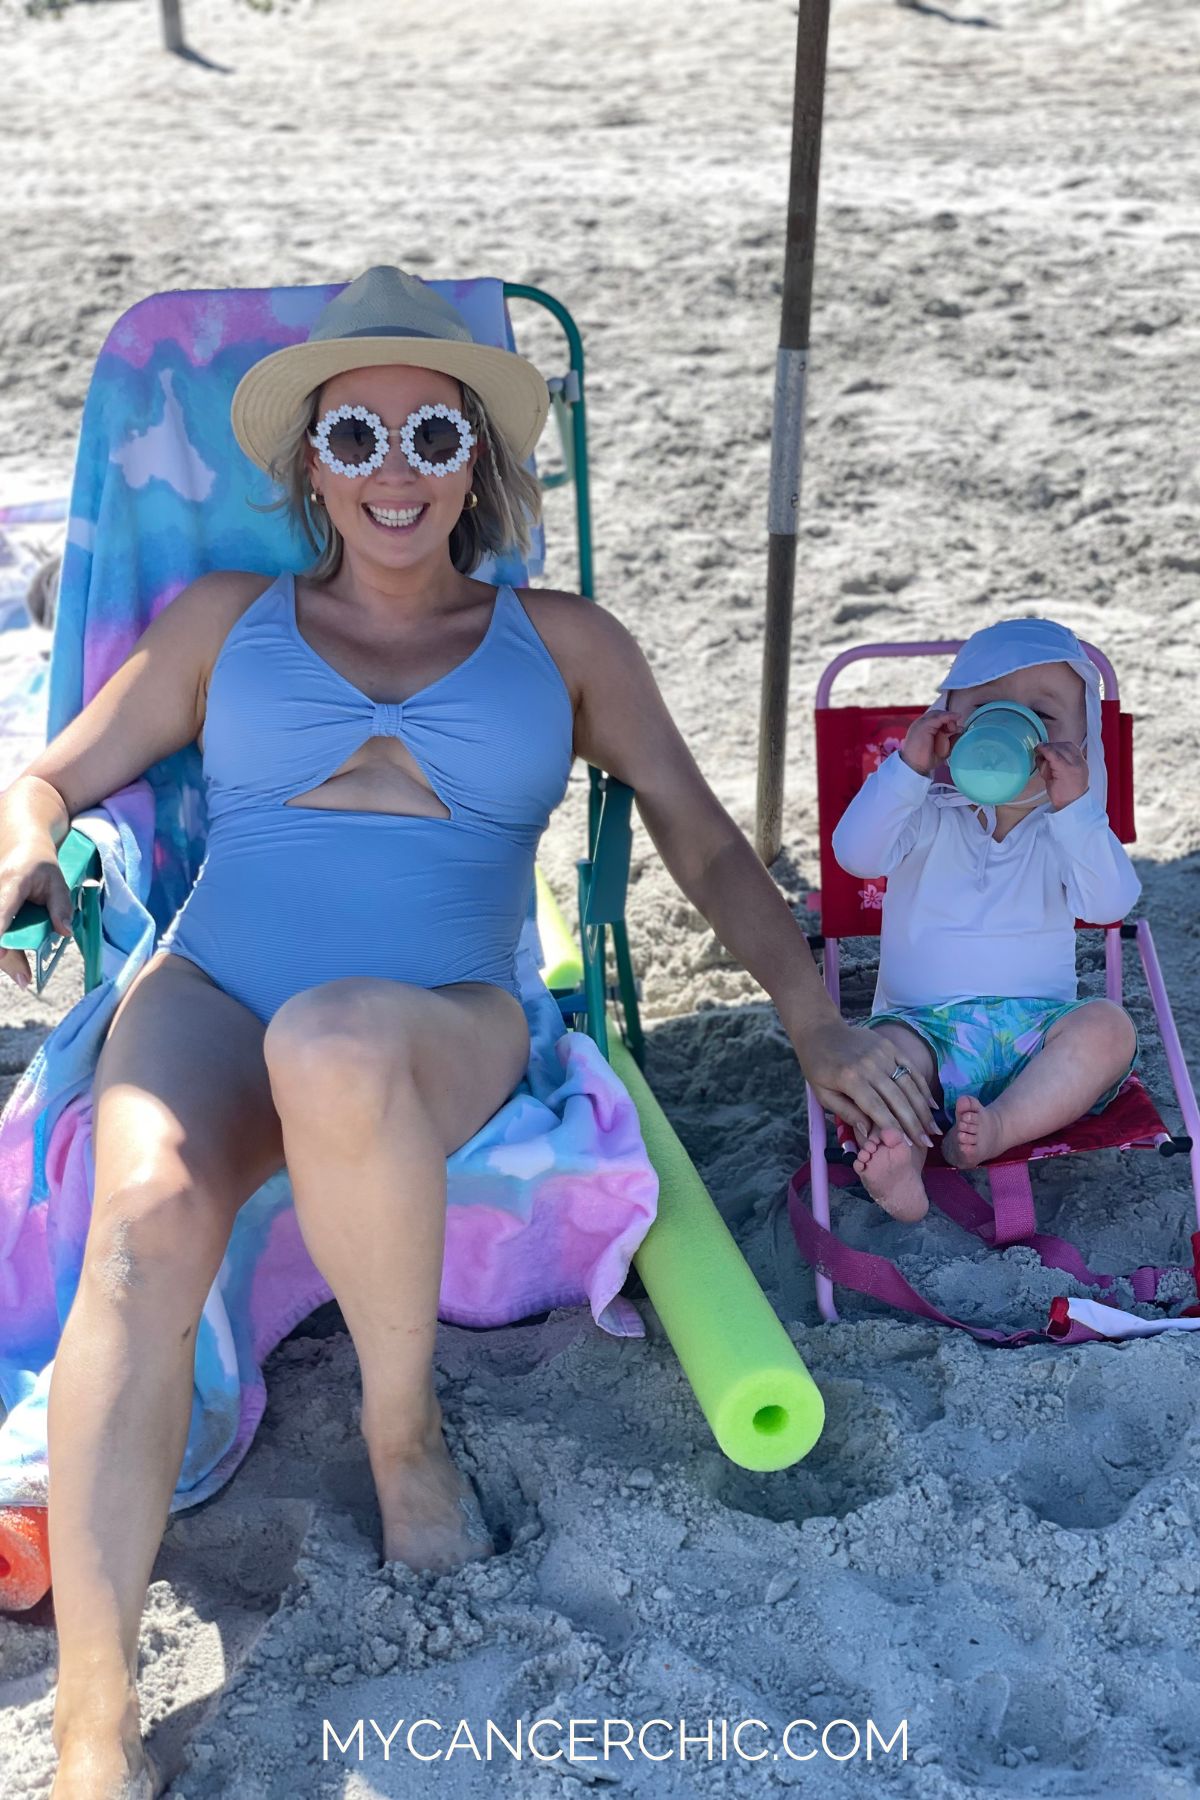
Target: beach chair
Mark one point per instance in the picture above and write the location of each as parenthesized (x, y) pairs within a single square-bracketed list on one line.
[(569, 1167), (851, 741), (161, 494)]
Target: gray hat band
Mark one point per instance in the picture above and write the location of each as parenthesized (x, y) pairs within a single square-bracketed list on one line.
[(371, 331), (509, 385)]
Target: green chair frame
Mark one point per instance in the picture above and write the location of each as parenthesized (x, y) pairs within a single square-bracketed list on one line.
[(603, 874)]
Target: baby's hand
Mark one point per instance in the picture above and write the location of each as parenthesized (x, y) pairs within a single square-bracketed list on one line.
[(1065, 772), (928, 740)]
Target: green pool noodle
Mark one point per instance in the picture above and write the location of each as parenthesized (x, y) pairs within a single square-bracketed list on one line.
[(764, 1408), (562, 966), (761, 1403)]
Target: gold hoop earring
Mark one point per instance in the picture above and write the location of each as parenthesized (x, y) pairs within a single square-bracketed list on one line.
[(315, 498), (471, 501)]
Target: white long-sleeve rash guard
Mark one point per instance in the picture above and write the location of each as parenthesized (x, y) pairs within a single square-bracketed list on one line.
[(965, 917)]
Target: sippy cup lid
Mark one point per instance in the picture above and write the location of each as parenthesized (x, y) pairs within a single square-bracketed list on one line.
[(992, 760)]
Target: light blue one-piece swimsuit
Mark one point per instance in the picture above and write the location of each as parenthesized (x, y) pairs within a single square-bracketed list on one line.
[(290, 897)]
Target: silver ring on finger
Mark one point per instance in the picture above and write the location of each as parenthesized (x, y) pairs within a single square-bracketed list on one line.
[(900, 1071)]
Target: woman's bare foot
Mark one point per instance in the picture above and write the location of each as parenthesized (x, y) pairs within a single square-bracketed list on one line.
[(98, 1736), (886, 1168), (431, 1514), (95, 1765), (975, 1136)]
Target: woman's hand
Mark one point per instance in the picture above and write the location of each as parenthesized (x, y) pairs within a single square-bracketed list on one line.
[(929, 740), (850, 1068), (30, 874)]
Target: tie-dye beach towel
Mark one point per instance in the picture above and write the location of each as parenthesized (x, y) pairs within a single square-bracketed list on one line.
[(547, 1203), (29, 541)]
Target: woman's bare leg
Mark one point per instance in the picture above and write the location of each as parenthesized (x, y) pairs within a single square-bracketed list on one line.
[(1085, 1052), (376, 1083), (888, 1167), (184, 1131)]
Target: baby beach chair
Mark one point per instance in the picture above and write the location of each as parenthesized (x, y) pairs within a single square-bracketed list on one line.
[(851, 741), (549, 1201)]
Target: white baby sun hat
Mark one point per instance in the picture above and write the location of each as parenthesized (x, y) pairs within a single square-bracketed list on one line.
[(1000, 650)]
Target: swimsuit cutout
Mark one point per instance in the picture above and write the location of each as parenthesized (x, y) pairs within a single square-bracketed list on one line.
[(290, 897)]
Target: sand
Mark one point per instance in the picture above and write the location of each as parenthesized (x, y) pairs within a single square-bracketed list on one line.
[(998, 1547)]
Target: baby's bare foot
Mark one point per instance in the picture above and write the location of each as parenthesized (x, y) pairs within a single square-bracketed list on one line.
[(431, 1514), (975, 1137), (886, 1168)]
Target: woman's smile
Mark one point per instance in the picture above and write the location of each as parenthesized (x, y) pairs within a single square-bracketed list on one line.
[(398, 520)]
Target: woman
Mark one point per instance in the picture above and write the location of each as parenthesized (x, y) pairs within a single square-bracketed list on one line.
[(384, 740)]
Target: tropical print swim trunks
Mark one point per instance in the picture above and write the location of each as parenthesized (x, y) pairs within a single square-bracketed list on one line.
[(981, 1046)]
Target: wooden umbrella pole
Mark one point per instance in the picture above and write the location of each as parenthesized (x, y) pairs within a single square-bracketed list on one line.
[(787, 436), (172, 25)]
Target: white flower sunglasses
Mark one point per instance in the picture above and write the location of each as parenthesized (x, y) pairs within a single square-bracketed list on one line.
[(353, 441)]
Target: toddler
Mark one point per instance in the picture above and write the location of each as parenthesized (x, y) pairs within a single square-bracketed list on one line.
[(977, 986)]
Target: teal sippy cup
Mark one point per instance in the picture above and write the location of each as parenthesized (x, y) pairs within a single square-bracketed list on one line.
[(993, 758)]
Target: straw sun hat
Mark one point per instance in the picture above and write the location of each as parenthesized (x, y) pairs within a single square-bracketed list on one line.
[(387, 316)]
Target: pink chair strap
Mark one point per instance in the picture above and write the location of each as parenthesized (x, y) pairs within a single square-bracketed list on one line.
[(865, 1273), (1012, 1203), (953, 1195)]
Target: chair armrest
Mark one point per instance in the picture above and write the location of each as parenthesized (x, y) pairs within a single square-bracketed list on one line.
[(610, 856), (31, 929)]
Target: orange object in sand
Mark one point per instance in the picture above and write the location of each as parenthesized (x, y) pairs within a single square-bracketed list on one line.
[(24, 1557)]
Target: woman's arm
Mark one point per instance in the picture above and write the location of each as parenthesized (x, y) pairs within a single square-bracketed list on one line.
[(623, 726), (152, 704)]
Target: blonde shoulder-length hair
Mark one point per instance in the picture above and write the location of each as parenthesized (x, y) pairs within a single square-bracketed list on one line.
[(509, 504)]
